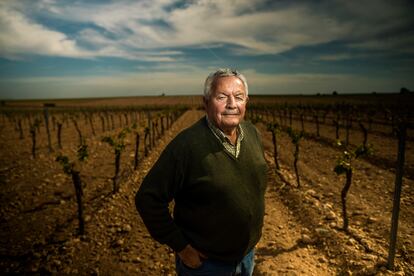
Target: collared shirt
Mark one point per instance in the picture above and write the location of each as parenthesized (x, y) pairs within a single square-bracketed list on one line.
[(234, 150)]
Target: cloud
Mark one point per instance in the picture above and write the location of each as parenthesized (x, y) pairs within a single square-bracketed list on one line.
[(129, 29), (210, 26), (212, 22), (268, 30), (104, 47), (119, 33), (20, 35)]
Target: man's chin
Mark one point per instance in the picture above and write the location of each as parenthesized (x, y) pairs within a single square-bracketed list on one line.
[(230, 123)]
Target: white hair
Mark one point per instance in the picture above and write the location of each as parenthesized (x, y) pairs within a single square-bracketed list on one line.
[(211, 80)]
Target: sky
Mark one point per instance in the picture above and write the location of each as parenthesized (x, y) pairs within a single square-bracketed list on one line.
[(102, 48)]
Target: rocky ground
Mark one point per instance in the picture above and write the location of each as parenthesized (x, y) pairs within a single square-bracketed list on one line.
[(302, 233)]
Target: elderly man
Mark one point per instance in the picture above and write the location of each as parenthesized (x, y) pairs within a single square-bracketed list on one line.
[(216, 173)]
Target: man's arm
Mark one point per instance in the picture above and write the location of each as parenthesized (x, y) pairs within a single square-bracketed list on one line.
[(153, 197), (157, 190)]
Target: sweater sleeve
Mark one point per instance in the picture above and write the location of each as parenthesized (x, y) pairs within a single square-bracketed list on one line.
[(156, 192)]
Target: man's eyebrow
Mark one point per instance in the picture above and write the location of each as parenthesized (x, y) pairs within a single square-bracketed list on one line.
[(230, 93)]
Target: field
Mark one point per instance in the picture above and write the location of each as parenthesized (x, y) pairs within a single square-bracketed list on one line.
[(303, 232)]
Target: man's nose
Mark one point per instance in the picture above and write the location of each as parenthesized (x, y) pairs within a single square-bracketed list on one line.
[(231, 102)]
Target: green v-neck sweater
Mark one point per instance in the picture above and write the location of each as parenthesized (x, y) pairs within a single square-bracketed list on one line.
[(219, 199)]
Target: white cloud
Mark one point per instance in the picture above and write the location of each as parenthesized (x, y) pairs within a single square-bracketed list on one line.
[(210, 22), (127, 29), (268, 31), (19, 35)]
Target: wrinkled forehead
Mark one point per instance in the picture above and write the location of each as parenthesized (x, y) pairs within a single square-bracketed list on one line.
[(228, 84)]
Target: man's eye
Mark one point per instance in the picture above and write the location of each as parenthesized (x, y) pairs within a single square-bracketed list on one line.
[(239, 98), (221, 98)]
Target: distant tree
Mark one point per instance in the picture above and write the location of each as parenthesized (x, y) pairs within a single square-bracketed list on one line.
[(334, 93), (404, 90)]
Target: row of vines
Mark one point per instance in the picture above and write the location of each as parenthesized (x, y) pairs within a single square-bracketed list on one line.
[(312, 122), (111, 128)]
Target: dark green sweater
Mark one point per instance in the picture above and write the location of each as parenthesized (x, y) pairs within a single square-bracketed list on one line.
[(219, 200)]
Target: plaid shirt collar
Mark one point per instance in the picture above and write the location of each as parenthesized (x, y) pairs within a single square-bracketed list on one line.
[(234, 150)]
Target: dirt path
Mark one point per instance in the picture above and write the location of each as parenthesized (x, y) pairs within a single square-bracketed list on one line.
[(286, 247)]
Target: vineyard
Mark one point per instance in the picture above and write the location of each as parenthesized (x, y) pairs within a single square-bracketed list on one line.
[(338, 170)]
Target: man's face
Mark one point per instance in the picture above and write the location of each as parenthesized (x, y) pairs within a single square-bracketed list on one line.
[(227, 103)]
